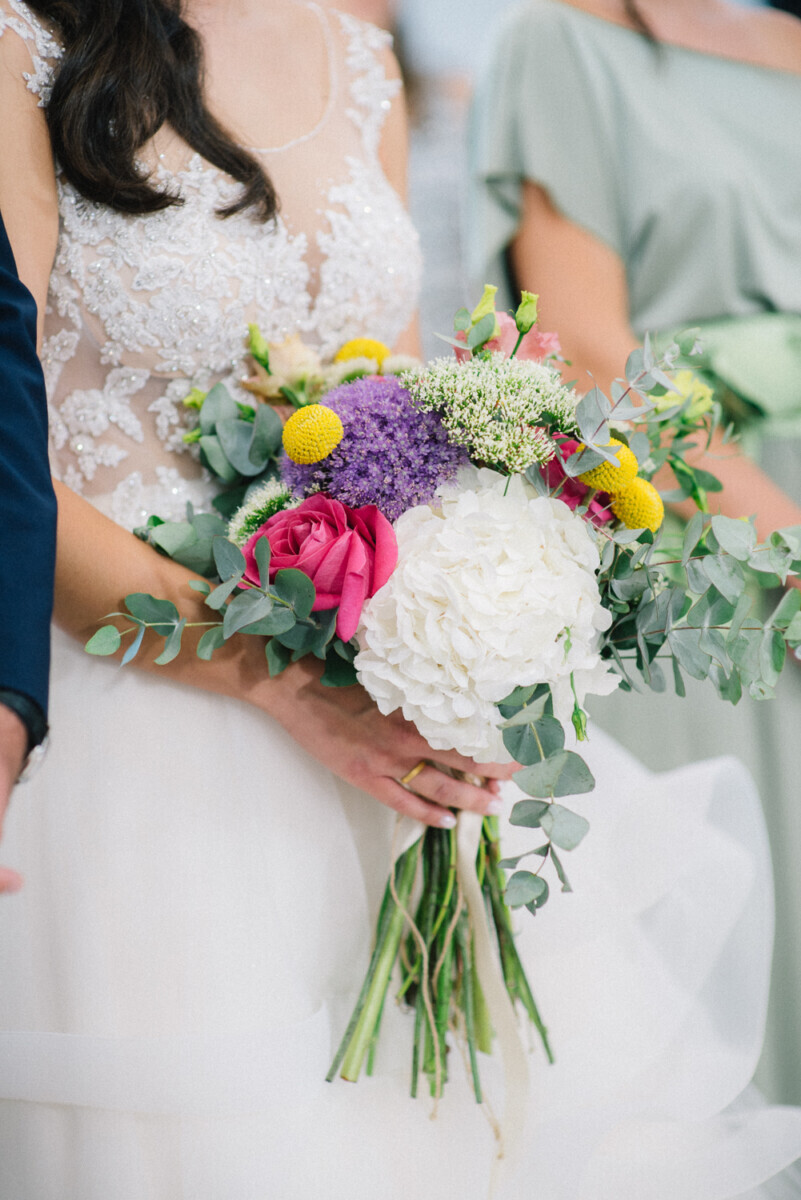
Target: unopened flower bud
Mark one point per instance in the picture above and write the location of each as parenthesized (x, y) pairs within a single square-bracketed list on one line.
[(526, 315), (485, 307)]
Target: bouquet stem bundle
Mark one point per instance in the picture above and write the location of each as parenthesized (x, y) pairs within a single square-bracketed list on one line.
[(426, 933)]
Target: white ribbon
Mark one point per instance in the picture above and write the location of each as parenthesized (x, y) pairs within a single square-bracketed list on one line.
[(501, 1010)]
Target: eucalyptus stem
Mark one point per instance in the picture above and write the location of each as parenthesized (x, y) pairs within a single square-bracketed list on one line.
[(367, 1014), (465, 954)]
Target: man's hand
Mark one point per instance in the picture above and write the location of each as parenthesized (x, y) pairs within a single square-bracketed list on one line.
[(13, 745)]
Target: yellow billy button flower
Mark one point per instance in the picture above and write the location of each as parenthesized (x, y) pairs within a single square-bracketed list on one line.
[(363, 348), (312, 433), (608, 477), (639, 506)]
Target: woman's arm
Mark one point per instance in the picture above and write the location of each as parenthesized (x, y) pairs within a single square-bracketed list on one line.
[(585, 298)]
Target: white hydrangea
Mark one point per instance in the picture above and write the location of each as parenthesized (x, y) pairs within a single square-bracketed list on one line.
[(497, 589), (501, 410)]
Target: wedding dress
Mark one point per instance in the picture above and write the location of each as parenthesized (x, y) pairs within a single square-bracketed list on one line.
[(200, 893)]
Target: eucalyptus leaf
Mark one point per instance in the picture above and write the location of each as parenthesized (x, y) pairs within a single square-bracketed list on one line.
[(338, 672), (217, 598), (772, 651), (524, 742), (172, 647), (685, 644), (565, 828), (296, 589), (235, 436), (724, 573), (787, 608), (171, 536), (228, 558), (560, 871), (217, 406), (692, 536), (160, 614), (212, 640), (267, 433), (562, 774), (481, 332), (528, 715), (278, 621), (737, 538), (678, 680), (592, 413), (200, 585), (278, 657), (528, 813), (105, 641), (214, 457), (262, 552), (132, 651), (245, 609), (524, 888)]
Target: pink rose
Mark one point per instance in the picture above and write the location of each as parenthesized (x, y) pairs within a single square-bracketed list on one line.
[(348, 553), (572, 491), (535, 345)]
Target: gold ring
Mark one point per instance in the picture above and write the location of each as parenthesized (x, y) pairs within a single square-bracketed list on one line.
[(415, 771)]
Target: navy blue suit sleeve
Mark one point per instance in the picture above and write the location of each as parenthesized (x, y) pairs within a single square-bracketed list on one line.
[(27, 501)]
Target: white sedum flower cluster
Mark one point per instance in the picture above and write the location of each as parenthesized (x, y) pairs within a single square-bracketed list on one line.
[(495, 590), (500, 409)]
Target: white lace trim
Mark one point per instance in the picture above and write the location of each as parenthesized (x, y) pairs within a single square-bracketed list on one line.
[(44, 51), (370, 89)]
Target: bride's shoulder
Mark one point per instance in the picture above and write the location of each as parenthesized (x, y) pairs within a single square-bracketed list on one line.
[(33, 47)]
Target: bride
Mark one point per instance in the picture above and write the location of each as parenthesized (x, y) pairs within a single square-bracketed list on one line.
[(204, 852)]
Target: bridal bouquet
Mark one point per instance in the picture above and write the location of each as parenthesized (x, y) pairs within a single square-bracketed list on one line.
[(481, 548)]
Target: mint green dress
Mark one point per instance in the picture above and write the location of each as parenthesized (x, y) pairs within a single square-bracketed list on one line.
[(689, 167)]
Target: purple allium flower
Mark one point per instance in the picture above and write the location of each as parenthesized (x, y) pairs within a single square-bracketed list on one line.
[(392, 454)]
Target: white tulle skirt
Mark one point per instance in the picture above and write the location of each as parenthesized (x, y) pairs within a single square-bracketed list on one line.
[(194, 929)]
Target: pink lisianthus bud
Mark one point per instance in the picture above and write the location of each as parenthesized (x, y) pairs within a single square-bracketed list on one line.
[(573, 492), (348, 553), (535, 345)]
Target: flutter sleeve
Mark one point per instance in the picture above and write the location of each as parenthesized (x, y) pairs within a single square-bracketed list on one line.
[(544, 112)]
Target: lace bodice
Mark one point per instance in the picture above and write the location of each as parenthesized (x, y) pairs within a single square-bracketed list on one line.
[(144, 308)]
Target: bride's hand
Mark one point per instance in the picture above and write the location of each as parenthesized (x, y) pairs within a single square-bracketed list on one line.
[(344, 730)]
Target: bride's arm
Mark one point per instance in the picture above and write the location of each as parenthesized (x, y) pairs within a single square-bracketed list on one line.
[(585, 298)]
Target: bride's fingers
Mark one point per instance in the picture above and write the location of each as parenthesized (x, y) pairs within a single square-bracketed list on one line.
[(397, 797), (429, 783)]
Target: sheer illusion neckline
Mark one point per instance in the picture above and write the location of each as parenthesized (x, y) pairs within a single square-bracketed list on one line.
[(678, 47), (333, 90)]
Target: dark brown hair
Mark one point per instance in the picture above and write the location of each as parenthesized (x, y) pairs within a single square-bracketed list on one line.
[(129, 67)]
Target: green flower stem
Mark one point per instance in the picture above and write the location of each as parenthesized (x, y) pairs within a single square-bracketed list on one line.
[(433, 886), (465, 954), (367, 1012), (374, 1039), (514, 974)]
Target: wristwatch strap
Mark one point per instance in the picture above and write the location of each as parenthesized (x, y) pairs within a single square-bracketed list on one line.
[(29, 713)]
